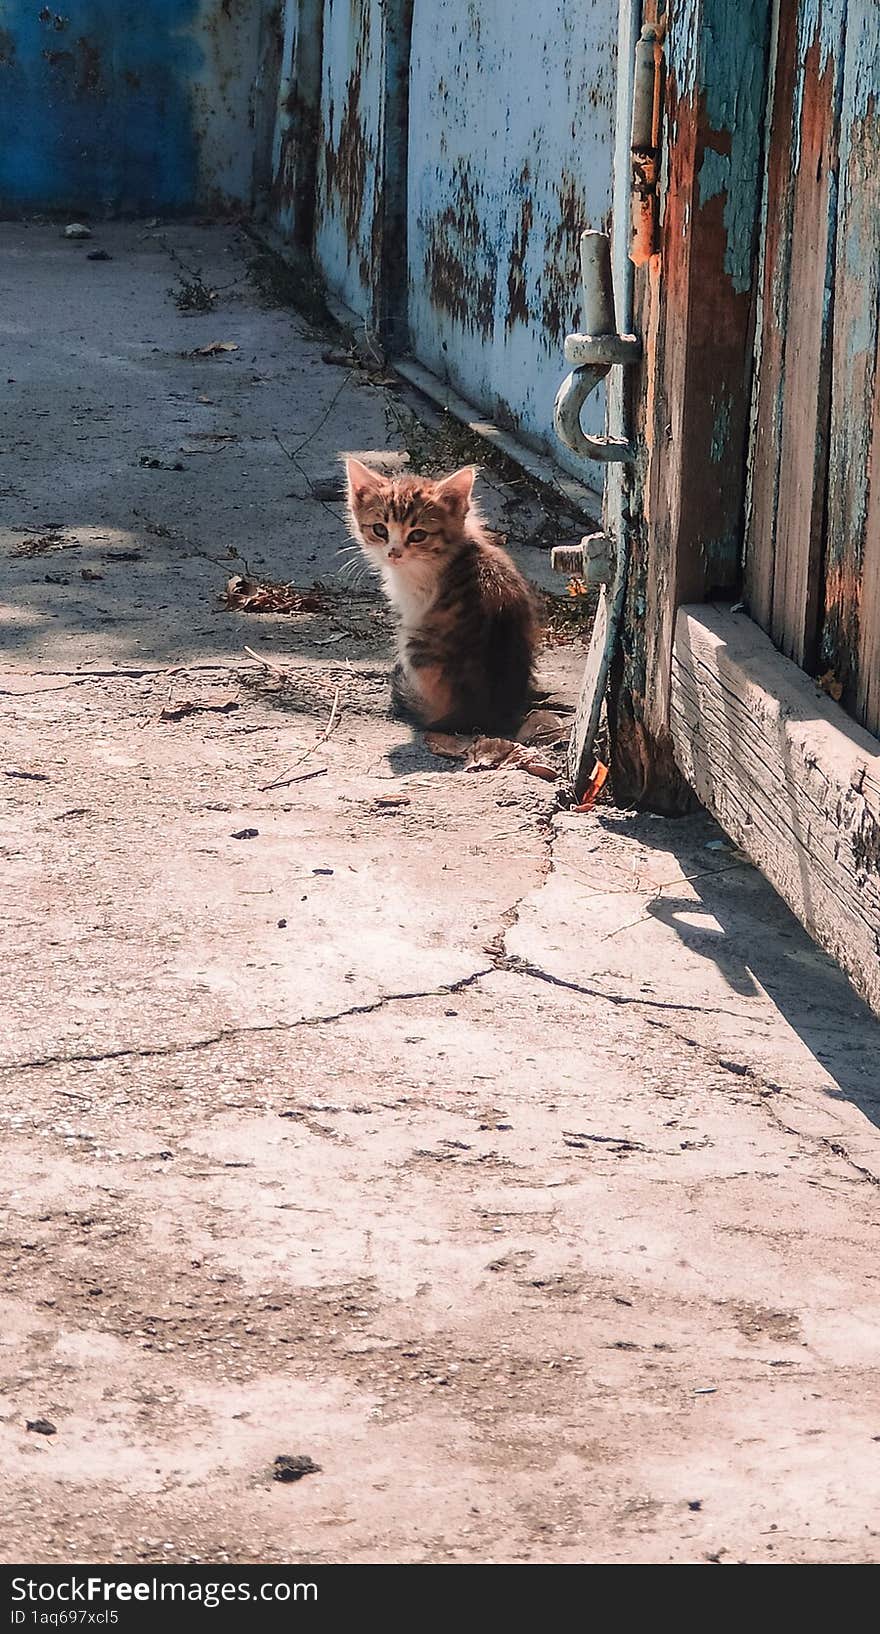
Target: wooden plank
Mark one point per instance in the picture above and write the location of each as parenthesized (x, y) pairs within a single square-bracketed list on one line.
[(852, 593), (868, 685), (803, 433), (788, 775), (776, 212), (697, 322)]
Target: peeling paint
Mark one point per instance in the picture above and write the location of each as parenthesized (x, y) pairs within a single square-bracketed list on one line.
[(720, 443), (350, 161), (714, 174), (716, 57), (511, 136)]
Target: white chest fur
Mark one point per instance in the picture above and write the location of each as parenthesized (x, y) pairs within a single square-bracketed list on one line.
[(410, 592)]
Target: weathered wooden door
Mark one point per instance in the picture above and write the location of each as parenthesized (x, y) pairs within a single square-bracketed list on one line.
[(812, 537)]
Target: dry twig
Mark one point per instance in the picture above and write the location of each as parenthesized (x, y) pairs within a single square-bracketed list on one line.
[(323, 735)]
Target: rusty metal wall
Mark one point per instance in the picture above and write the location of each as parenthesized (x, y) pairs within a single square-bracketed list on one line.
[(510, 157), (128, 107), (349, 172), (457, 157)]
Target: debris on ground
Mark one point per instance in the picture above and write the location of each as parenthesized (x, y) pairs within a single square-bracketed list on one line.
[(831, 684), (41, 1426), (270, 596), (541, 726), (597, 780), (493, 754), (154, 464), (194, 295), (245, 834), (213, 347), (77, 229), (325, 733), (44, 543), (292, 1467), (98, 255), (179, 712), (483, 754)]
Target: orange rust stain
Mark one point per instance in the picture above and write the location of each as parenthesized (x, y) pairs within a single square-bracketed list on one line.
[(560, 310), (345, 162), (455, 239)]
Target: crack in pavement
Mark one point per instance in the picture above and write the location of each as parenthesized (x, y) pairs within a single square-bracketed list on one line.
[(225, 1033), (524, 967)]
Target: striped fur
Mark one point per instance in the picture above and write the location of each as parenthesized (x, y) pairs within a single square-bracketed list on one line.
[(466, 625)]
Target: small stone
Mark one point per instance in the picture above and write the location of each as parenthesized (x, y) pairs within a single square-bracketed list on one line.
[(41, 1426), (76, 229), (292, 1467)]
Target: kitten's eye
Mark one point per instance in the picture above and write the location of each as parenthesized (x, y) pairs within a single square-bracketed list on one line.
[(416, 537), (380, 530)]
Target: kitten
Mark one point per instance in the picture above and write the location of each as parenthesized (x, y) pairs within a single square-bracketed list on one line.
[(467, 631)]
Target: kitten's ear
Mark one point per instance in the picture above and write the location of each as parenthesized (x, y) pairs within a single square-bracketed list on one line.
[(457, 489), (361, 480)]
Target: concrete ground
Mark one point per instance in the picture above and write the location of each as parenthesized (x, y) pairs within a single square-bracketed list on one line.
[(519, 1168)]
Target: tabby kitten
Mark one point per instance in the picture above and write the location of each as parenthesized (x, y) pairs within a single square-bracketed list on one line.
[(466, 626)]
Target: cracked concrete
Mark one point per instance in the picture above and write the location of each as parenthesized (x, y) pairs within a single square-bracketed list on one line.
[(520, 1168)]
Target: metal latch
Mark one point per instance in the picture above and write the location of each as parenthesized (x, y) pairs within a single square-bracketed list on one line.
[(592, 560), (593, 354)]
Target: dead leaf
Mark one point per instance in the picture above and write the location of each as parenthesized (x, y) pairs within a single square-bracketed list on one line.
[(540, 726), (830, 684), (213, 347), (446, 745), (598, 778), (491, 754)]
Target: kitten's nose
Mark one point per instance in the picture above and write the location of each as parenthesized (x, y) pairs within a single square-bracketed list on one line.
[(394, 553)]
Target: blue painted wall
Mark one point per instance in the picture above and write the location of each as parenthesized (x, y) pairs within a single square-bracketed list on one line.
[(127, 105)]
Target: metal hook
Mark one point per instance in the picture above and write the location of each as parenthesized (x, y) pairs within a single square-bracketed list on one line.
[(593, 354), (570, 399)]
